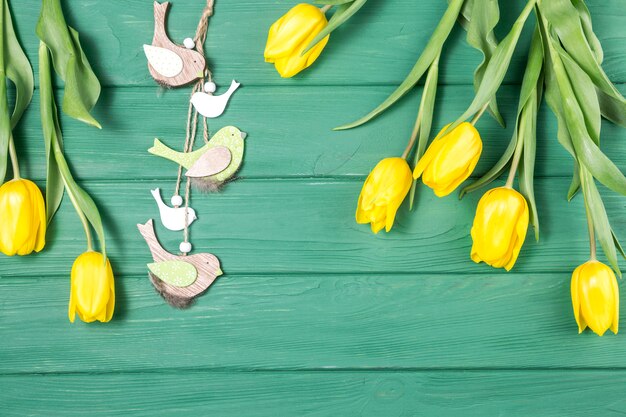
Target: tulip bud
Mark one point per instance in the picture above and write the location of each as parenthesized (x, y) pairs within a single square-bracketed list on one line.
[(450, 159), (22, 218), (290, 35), (499, 227), (383, 192), (92, 290), (595, 297)]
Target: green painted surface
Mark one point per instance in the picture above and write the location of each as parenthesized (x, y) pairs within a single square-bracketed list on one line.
[(315, 316)]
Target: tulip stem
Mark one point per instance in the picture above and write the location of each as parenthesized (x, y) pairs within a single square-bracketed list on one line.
[(416, 129), (14, 161), (479, 113), (516, 157), (592, 236), (60, 158), (326, 8)]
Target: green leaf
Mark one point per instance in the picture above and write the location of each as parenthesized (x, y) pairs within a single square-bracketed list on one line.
[(338, 19), (497, 67), (82, 202), (483, 19), (18, 69), (587, 151), (585, 93), (82, 87), (528, 134), (600, 220), (618, 245), (528, 89), (13, 66), (51, 133), (426, 111), (585, 21), (564, 18), (574, 186), (431, 51)]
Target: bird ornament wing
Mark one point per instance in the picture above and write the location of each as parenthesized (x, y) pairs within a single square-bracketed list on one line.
[(176, 273), (164, 61), (212, 162)]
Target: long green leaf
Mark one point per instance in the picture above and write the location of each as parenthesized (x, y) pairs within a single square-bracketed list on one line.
[(426, 112), (528, 134), (82, 87), (51, 133), (432, 50), (585, 93), (18, 69), (14, 66), (602, 228), (587, 151), (528, 89), (497, 67), (484, 17), (335, 22), (564, 17), (590, 36), (83, 203)]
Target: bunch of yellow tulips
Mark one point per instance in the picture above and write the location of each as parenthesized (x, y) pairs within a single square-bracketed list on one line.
[(562, 50), (24, 216)]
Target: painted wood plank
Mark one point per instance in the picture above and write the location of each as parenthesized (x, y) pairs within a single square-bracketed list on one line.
[(308, 226), (349, 394), (289, 133), (308, 321), (379, 45)]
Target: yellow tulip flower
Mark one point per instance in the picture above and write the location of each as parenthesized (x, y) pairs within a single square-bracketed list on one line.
[(383, 192), (450, 159), (22, 218), (290, 35), (595, 297), (499, 227), (92, 290)]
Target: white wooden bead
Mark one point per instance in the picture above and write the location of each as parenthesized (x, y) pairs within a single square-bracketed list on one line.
[(210, 87), (185, 247), (177, 201), (189, 43)]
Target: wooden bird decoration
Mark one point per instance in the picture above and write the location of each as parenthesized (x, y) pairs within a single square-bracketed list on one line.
[(179, 279), (209, 105), (170, 64), (214, 163)]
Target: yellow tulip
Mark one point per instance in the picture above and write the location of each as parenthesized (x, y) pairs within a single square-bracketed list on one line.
[(499, 227), (290, 35), (22, 218), (595, 297), (450, 159), (92, 290), (383, 192)]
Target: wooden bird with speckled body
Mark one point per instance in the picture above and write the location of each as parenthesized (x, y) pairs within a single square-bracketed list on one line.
[(214, 163)]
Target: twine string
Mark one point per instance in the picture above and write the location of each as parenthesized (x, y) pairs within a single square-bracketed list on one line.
[(192, 114)]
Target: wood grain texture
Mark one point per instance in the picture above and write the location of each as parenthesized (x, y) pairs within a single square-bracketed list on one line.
[(308, 321), (346, 394), (289, 132), (315, 316), (378, 46)]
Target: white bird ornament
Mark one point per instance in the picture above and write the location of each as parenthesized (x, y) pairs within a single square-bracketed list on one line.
[(209, 105), (173, 218)]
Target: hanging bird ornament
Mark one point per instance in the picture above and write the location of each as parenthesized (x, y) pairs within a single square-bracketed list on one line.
[(214, 163), (172, 65), (179, 279)]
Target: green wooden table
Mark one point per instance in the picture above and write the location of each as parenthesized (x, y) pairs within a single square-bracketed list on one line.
[(315, 316)]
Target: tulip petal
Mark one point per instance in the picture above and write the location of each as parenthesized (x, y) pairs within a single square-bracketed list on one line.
[(615, 324)]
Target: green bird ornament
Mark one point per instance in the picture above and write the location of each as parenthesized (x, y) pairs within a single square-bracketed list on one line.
[(213, 164)]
